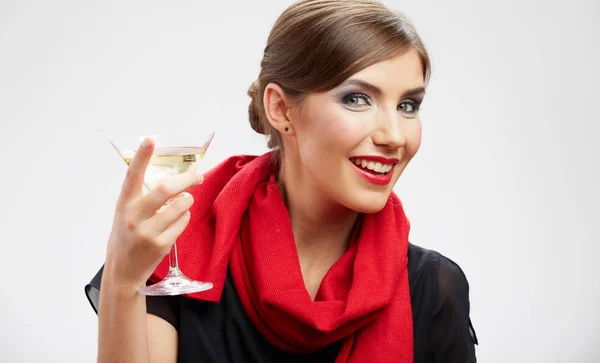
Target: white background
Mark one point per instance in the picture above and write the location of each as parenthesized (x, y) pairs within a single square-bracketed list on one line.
[(506, 181)]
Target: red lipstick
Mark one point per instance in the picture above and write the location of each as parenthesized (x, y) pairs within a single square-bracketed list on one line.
[(372, 177)]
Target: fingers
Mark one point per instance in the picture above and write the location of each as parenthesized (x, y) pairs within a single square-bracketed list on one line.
[(168, 214), (134, 180), (168, 236), (168, 188)]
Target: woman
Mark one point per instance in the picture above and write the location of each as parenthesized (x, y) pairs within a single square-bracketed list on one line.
[(307, 245)]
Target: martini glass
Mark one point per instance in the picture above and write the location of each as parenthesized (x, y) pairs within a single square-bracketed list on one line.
[(172, 155)]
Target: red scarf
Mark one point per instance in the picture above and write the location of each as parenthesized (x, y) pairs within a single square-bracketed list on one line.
[(239, 221)]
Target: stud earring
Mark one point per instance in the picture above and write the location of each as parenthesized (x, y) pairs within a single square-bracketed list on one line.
[(286, 129)]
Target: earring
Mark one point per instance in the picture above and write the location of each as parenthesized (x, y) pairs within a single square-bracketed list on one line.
[(286, 129)]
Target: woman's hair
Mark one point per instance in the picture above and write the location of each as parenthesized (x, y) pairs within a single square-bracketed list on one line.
[(317, 44)]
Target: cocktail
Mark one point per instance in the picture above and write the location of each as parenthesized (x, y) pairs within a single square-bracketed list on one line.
[(172, 156)]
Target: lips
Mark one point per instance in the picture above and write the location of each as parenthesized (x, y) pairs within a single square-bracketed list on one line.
[(375, 166), (375, 169)]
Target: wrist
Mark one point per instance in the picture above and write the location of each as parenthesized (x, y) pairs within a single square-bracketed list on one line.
[(115, 286)]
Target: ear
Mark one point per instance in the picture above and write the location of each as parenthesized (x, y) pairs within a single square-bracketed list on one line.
[(277, 108)]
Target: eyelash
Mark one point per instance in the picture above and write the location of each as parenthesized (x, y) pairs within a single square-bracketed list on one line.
[(415, 104)]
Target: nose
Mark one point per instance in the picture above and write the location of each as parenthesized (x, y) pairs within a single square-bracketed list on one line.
[(389, 132)]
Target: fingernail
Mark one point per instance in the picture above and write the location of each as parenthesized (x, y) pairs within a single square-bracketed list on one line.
[(187, 195), (146, 144)]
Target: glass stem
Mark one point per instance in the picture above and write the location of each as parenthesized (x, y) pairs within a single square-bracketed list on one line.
[(173, 267)]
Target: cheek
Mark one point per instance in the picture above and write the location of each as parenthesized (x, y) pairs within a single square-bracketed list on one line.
[(413, 138), (327, 129)]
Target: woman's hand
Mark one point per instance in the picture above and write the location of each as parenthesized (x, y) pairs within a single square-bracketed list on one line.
[(145, 226)]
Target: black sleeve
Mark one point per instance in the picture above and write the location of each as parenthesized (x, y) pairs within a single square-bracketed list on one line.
[(165, 307), (452, 337)]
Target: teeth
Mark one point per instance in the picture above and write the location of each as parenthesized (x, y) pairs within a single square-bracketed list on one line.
[(374, 166)]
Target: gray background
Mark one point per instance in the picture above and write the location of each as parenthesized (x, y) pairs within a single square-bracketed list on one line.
[(505, 183)]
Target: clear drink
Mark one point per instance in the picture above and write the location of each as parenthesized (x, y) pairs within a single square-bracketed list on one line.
[(168, 161)]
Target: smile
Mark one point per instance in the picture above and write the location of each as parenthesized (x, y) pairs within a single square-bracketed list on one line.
[(375, 169)]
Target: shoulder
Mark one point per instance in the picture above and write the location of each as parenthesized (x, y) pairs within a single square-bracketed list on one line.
[(437, 282), (430, 264), (440, 291)]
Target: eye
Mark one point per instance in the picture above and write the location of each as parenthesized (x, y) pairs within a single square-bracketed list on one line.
[(409, 106), (356, 100)]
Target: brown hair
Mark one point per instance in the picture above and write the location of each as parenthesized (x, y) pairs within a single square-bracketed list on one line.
[(317, 44)]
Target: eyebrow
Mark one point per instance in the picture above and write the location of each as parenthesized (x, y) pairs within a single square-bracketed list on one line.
[(376, 90)]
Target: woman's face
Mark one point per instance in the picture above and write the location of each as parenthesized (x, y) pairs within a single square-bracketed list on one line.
[(355, 140)]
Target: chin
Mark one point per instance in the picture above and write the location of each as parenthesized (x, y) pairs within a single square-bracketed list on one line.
[(368, 204)]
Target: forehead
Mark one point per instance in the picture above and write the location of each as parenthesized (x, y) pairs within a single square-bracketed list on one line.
[(396, 74)]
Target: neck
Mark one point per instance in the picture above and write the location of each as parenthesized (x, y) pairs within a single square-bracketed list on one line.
[(321, 226)]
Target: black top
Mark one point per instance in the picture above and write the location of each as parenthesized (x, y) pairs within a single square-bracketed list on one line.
[(222, 333)]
